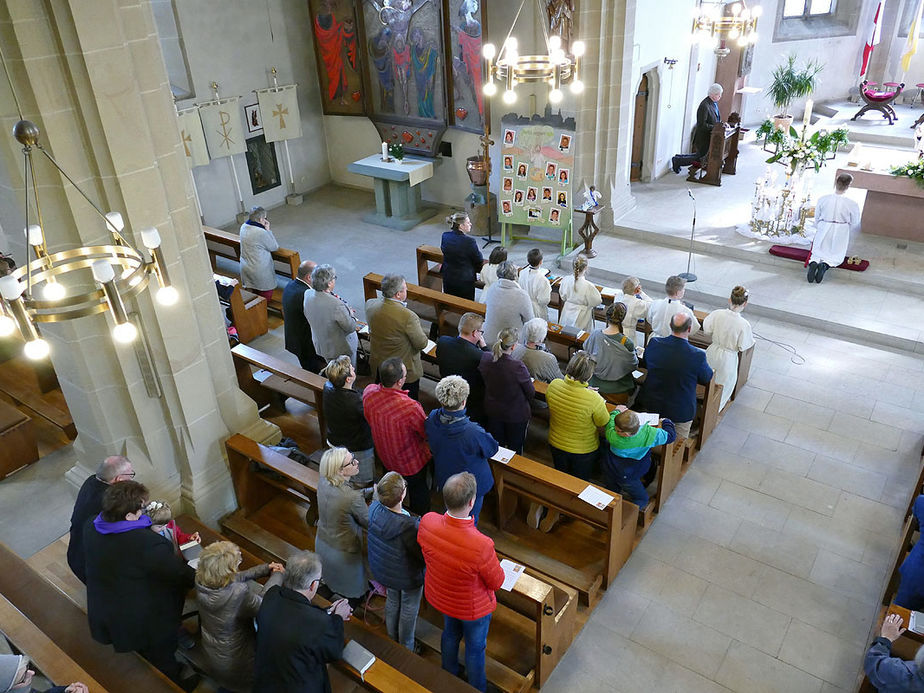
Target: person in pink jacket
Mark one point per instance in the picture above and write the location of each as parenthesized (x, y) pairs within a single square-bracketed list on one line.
[(462, 575)]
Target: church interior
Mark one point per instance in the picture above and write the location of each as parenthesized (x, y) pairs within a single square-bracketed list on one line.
[(769, 555)]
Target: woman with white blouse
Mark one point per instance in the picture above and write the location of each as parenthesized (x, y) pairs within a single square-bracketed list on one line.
[(730, 334), (579, 297)]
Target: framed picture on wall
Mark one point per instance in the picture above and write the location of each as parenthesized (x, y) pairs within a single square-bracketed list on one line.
[(338, 49), (262, 165), (252, 116), (465, 26), (403, 55)]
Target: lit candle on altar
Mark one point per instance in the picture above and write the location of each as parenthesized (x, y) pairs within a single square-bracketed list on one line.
[(384, 150), (807, 117)]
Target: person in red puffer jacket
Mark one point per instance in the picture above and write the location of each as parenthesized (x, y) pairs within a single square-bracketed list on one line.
[(462, 575)]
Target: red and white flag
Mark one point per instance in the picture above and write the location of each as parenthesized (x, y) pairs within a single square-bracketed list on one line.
[(872, 39)]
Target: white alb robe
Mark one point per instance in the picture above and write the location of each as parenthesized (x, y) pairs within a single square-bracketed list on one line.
[(636, 309), (579, 297), (661, 311), (731, 333), (488, 276), (535, 282), (836, 215)]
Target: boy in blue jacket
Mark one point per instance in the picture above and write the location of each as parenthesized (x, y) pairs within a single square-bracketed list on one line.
[(628, 458)]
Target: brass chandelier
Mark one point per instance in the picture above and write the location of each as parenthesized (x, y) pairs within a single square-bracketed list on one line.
[(42, 290), (555, 67), (711, 25)]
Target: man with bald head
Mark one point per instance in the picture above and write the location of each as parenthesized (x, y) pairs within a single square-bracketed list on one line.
[(89, 504), (675, 367), (297, 329)]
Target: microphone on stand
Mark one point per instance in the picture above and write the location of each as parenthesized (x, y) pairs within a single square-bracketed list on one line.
[(688, 275)]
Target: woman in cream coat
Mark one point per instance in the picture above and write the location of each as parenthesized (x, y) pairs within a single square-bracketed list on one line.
[(730, 334)]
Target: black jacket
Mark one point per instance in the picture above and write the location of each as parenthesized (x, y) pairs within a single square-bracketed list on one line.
[(295, 641), (462, 261), (706, 118), (395, 558), (297, 329), (88, 505), (136, 584), (456, 356), (346, 425)]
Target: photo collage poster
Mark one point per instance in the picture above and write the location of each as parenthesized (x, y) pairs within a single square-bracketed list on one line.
[(534, 172)]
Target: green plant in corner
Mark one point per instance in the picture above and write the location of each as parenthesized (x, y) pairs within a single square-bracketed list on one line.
[(789, 83)]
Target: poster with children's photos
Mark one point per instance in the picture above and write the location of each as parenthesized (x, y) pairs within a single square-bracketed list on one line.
[(537, 156)]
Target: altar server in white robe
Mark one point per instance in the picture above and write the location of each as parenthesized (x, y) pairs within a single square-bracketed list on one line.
[(730, 333), (661, 311), (579, 297), (835, 217), (535, 281), (636, 302)]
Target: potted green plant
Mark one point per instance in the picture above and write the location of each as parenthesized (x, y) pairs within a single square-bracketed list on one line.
[(788, 83)]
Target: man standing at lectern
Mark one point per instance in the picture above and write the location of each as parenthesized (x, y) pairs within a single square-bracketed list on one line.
[(707, 115)]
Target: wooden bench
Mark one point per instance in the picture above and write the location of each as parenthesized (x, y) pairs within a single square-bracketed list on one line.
[(429, 275), (17, 440), (287, 380), (65, 625), (227, 244), (248, 311), (29, 387), (613, 527)]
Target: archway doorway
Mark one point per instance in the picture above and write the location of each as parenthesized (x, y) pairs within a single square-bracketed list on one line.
[(638, 130)]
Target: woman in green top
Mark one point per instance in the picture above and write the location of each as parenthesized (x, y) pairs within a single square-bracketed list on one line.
[(614, 354)]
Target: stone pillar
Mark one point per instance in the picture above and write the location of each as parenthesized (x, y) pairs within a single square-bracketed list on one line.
[(91, 76), (604, 111)]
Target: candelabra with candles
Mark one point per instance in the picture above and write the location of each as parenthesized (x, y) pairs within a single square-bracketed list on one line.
[(781, 210)]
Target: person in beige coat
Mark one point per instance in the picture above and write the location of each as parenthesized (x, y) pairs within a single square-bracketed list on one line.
[(395, 331)]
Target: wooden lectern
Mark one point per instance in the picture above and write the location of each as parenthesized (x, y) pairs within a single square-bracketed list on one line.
[(723, 153)]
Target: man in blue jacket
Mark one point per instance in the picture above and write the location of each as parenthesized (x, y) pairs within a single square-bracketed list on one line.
[(675, 367)]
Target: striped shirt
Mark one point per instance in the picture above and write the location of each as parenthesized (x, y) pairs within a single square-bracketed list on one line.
[(397, 424)]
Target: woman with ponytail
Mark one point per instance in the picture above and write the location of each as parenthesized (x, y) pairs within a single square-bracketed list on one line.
[(730, 334), (580, 297), (462, 261), (508, 391)]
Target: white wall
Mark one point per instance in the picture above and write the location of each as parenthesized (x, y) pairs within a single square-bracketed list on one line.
[(236, 44)]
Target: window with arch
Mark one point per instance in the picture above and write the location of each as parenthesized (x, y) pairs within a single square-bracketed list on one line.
[(798, 20), (807, 8)]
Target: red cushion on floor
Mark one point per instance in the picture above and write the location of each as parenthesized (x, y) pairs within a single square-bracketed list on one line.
[(800, 255)]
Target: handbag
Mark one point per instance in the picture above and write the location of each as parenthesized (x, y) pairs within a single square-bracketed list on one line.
[(363, 366)]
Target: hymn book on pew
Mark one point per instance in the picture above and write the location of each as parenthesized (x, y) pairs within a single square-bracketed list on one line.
[(647, 418), (596, 497), (358, 657), (512, 573), (503, 455), (191, 551)]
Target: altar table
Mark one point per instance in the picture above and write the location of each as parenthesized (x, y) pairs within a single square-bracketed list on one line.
[(894, 205), (397, 191)]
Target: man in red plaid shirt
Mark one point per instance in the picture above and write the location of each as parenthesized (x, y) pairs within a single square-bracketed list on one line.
[(397, 423)]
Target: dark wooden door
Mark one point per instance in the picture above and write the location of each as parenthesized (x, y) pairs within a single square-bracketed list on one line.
[(638, 131)]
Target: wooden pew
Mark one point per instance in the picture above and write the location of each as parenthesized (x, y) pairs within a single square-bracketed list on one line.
[(17, 440), (264, 482), (287, 380), (29, 387), (395, 668), (65, 624), (248, 311), (428, 275), (44, 655), (537, 482), (227, 244)]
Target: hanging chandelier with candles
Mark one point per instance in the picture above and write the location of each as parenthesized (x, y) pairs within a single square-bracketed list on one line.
[(509, 68), (43, 289), (711, 25)]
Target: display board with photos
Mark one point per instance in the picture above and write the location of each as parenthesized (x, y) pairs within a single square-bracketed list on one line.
[(536, 159)]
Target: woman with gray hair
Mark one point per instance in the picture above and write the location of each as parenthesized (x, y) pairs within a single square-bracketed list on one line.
[(508, 391), (506, 303), (257, 246), (459, 444), (541, 363), (333, 321)]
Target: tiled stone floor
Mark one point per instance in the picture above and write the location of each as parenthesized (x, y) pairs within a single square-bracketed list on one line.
[(764, 569)]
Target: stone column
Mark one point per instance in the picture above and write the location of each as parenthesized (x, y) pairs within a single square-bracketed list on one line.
[(605, 108), (91, 76)]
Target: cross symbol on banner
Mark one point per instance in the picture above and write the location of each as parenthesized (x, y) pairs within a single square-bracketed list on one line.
[(279, 113), (186, 138)]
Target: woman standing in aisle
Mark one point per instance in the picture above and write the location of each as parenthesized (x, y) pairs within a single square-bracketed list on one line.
[(730, 333)]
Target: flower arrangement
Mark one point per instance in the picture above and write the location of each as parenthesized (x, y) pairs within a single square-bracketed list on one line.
[(800, 153), (396, 149), (913, 170)]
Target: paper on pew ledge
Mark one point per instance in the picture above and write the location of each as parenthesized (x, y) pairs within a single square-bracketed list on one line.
[(503, 455), (637, 374), (581, 334), (608, 291), (364, 329), (512, 573), (596, 497), (644, 417), (430, 346), (916, 622), (261, 375)]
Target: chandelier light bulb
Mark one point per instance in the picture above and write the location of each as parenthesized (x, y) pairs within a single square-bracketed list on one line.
[(554, 42), (489, 89), (11, 288), (510, 96), (36, 237), (125, 333), (555, 95), (736, 9), (743, 41), (150, 238), (167, 296), (36, 349), (488, 51), (756, 11), (115, 220), (511, 57), (734, 33), (577, 48), (745, 14), (53, 291), (7, 325), (102, 271), (510, 43), (577, 86)]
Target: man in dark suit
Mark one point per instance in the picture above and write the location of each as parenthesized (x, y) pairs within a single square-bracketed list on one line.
[(297, 329), (461, 356), (674, 368), (88, 505), (707, 115), (295, 639)]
